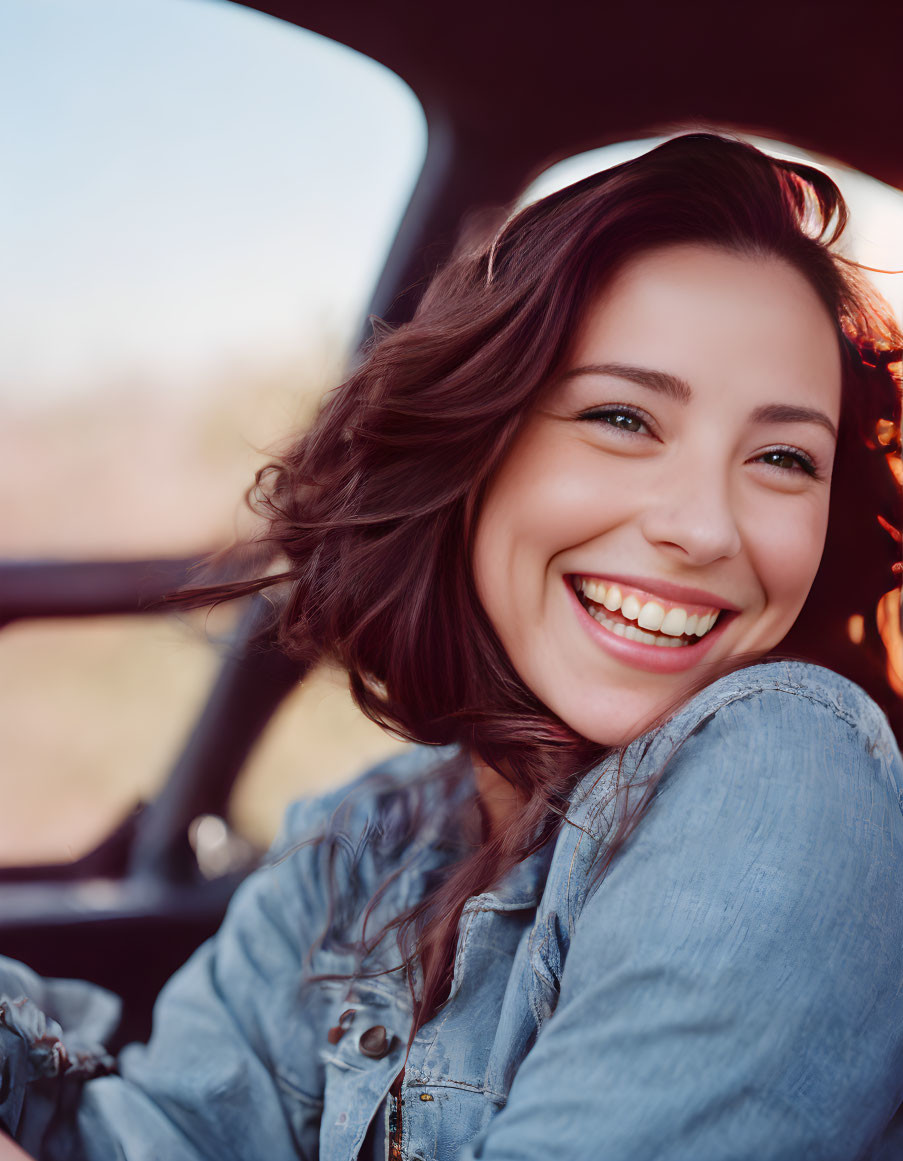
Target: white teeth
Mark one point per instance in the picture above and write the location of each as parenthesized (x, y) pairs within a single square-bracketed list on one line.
[(651, 616), (632, 633), (630, 608), (709, 622), (675, 622), (595, 590)]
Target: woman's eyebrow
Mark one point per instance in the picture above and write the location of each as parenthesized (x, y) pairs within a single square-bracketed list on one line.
[(668, 384), (787, 413), (680, 390)]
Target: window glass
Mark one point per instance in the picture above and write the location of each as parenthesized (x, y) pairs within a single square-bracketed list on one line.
[(94, 712), (317, 740), (197, 200)]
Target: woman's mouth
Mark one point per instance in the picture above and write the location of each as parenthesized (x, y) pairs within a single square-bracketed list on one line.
[(634, 615), (646, 630)]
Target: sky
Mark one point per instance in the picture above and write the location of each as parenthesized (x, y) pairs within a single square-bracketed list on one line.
[(186, 182), (189, 185)]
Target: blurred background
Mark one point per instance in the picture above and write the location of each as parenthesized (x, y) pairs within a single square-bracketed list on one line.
[(197, 202)]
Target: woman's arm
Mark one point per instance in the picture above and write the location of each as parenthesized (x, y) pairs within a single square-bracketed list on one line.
[(232, 1069), (734, 988)]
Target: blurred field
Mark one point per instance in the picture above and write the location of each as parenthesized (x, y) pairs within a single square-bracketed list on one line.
[(135, 466), (92, 712)]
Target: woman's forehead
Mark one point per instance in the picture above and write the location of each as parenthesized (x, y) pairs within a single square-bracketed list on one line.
[(715, 319)]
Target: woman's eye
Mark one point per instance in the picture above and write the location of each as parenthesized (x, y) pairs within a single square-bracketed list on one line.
[(788, 461), (617, 418)]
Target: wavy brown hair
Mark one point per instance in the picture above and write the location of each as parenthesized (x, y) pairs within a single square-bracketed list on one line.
[(368, 518)]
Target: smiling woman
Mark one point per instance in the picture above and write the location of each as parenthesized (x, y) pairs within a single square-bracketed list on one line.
[(695, 488), (590, 529)]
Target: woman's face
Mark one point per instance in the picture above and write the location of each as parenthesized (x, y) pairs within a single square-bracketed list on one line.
[(665, 507)]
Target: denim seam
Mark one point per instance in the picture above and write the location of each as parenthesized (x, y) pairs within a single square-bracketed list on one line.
[(296, 1092), (536, 959), (775, 685), (537, 953), (340, 1062), (426, 1079), (782, 685), (571, 918), (873, 745)]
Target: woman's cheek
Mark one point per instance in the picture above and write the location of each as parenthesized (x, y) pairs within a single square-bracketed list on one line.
[(578, 492), (555, 495), (790, 551)]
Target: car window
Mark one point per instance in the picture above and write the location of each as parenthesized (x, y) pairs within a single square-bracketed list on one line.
[(197, 201)]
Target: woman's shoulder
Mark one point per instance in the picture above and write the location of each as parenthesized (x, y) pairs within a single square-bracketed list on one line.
[(788, 721), (797, 687), (783, 774), (786, 725), (785, 705)]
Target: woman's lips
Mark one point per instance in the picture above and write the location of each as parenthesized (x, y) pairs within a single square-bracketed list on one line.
[(657, 589), (651, 658), (651, 611)]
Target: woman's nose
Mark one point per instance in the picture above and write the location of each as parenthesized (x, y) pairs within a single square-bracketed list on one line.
[(691, 515)]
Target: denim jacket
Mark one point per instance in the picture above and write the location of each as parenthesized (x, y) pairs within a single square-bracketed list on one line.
[(731, 988)]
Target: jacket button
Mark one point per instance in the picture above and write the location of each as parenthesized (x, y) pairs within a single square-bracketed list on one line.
[(374, 1042), (335, 1034)]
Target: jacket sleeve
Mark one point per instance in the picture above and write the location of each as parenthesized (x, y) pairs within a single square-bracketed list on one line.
[(734, 987), (231, 1070)]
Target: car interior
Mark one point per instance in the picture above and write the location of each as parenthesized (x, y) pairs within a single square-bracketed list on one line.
[(507, 90)]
